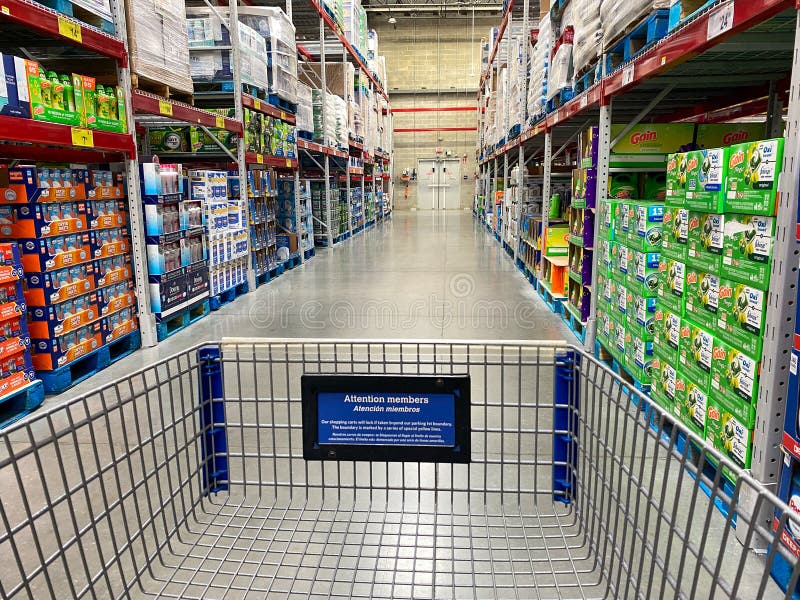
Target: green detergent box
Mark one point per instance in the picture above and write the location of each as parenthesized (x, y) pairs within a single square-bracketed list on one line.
[(702, 298), (753, 172), (676, 179), (692, 410), (621, 222), (696, 350), (619, 302), (608, 209), (645, 229), (668, 386), (747, 249), (730, 430), (741, 316), (641, 316), (640, 358), (623, 186), (672, 284), (675, 232), (734, 374), (705, 187), (643, 274), (605, 284), (667, 330), (623, 263), (706, 241)]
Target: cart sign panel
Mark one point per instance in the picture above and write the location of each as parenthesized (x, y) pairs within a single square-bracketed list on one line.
[(386, 418)]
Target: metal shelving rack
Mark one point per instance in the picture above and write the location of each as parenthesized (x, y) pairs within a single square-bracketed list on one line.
[(732, 59)]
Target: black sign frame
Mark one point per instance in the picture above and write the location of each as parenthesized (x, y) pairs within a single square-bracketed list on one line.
[(457, 385)]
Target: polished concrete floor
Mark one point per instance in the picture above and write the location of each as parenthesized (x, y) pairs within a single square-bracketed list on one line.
[(420, 275)]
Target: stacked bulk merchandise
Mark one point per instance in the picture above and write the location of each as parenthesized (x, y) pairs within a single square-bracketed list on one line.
[(176, 247), (560, 74), (540, 69), (320, 207), (305, 112), (518, 74), (224, 214), (210, 53), (278, 32), (158, 44), (584, 17), (500, 114), (616, 16), (72, 230), (721, 206), (16, 366), (261, 197)]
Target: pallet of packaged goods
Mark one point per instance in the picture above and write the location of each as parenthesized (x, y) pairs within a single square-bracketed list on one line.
[(630, 26), (175, 241), (75, 246), (20, 391), (159, 47)]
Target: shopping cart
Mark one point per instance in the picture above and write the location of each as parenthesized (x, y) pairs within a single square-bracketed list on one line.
[(188, 479)]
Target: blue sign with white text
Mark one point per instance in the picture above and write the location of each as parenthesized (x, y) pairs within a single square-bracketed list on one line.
[(386, 419)]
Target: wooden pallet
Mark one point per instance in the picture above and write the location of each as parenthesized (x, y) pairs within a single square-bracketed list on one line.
[(158, 88)]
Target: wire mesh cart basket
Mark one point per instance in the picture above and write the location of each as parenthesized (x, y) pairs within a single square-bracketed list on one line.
[(208, 475)]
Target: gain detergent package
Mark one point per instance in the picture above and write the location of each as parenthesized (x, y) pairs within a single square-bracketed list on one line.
[(734, 374), (623, 263), (676, 180), (753, 172), (696, 351), (668, 386), (675, 232), (641, 316), (702, 298), (607, 215), (706, 240), (705, 187), (694, 407), (730, 431), (667, 330), (655, 187), (643, 273), (640, 358), (741, 316), (645, 229), (748, 248), (623, 186), (621, 222), (672, 284)]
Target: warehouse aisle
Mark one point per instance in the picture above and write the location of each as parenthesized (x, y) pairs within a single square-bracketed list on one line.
[(421, 275)]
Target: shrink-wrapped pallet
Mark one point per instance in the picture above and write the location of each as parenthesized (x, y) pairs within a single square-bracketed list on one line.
[(158, 44), (339, 77), (540, 68), (561, 73), (305, 108), (617, 16), (279, 34), (584, 18)]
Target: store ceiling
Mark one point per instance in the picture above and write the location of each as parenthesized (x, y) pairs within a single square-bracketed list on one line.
[(464, 7)]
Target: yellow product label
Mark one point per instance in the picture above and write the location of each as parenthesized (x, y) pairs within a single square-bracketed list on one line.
[(220, 123), (4, 10), (82, 137), (257, 104), (70, 30), (283, 116), (289, 163), (165, 108), (260, 159)]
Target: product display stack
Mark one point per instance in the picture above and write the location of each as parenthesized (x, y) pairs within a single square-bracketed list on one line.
[(320, 207), (261, 196), (71, 226), (20, 392), (719, 234), (176, 241)]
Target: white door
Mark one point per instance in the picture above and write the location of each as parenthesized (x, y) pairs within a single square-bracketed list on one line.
[(450, 184), (439, 184)]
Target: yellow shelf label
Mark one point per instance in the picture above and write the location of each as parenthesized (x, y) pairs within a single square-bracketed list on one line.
[(257, 104), (70, 30), (4, 10), (289, 163), (220, 123), (260, 159), (82, 137), (165, 108), (283, 116)]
